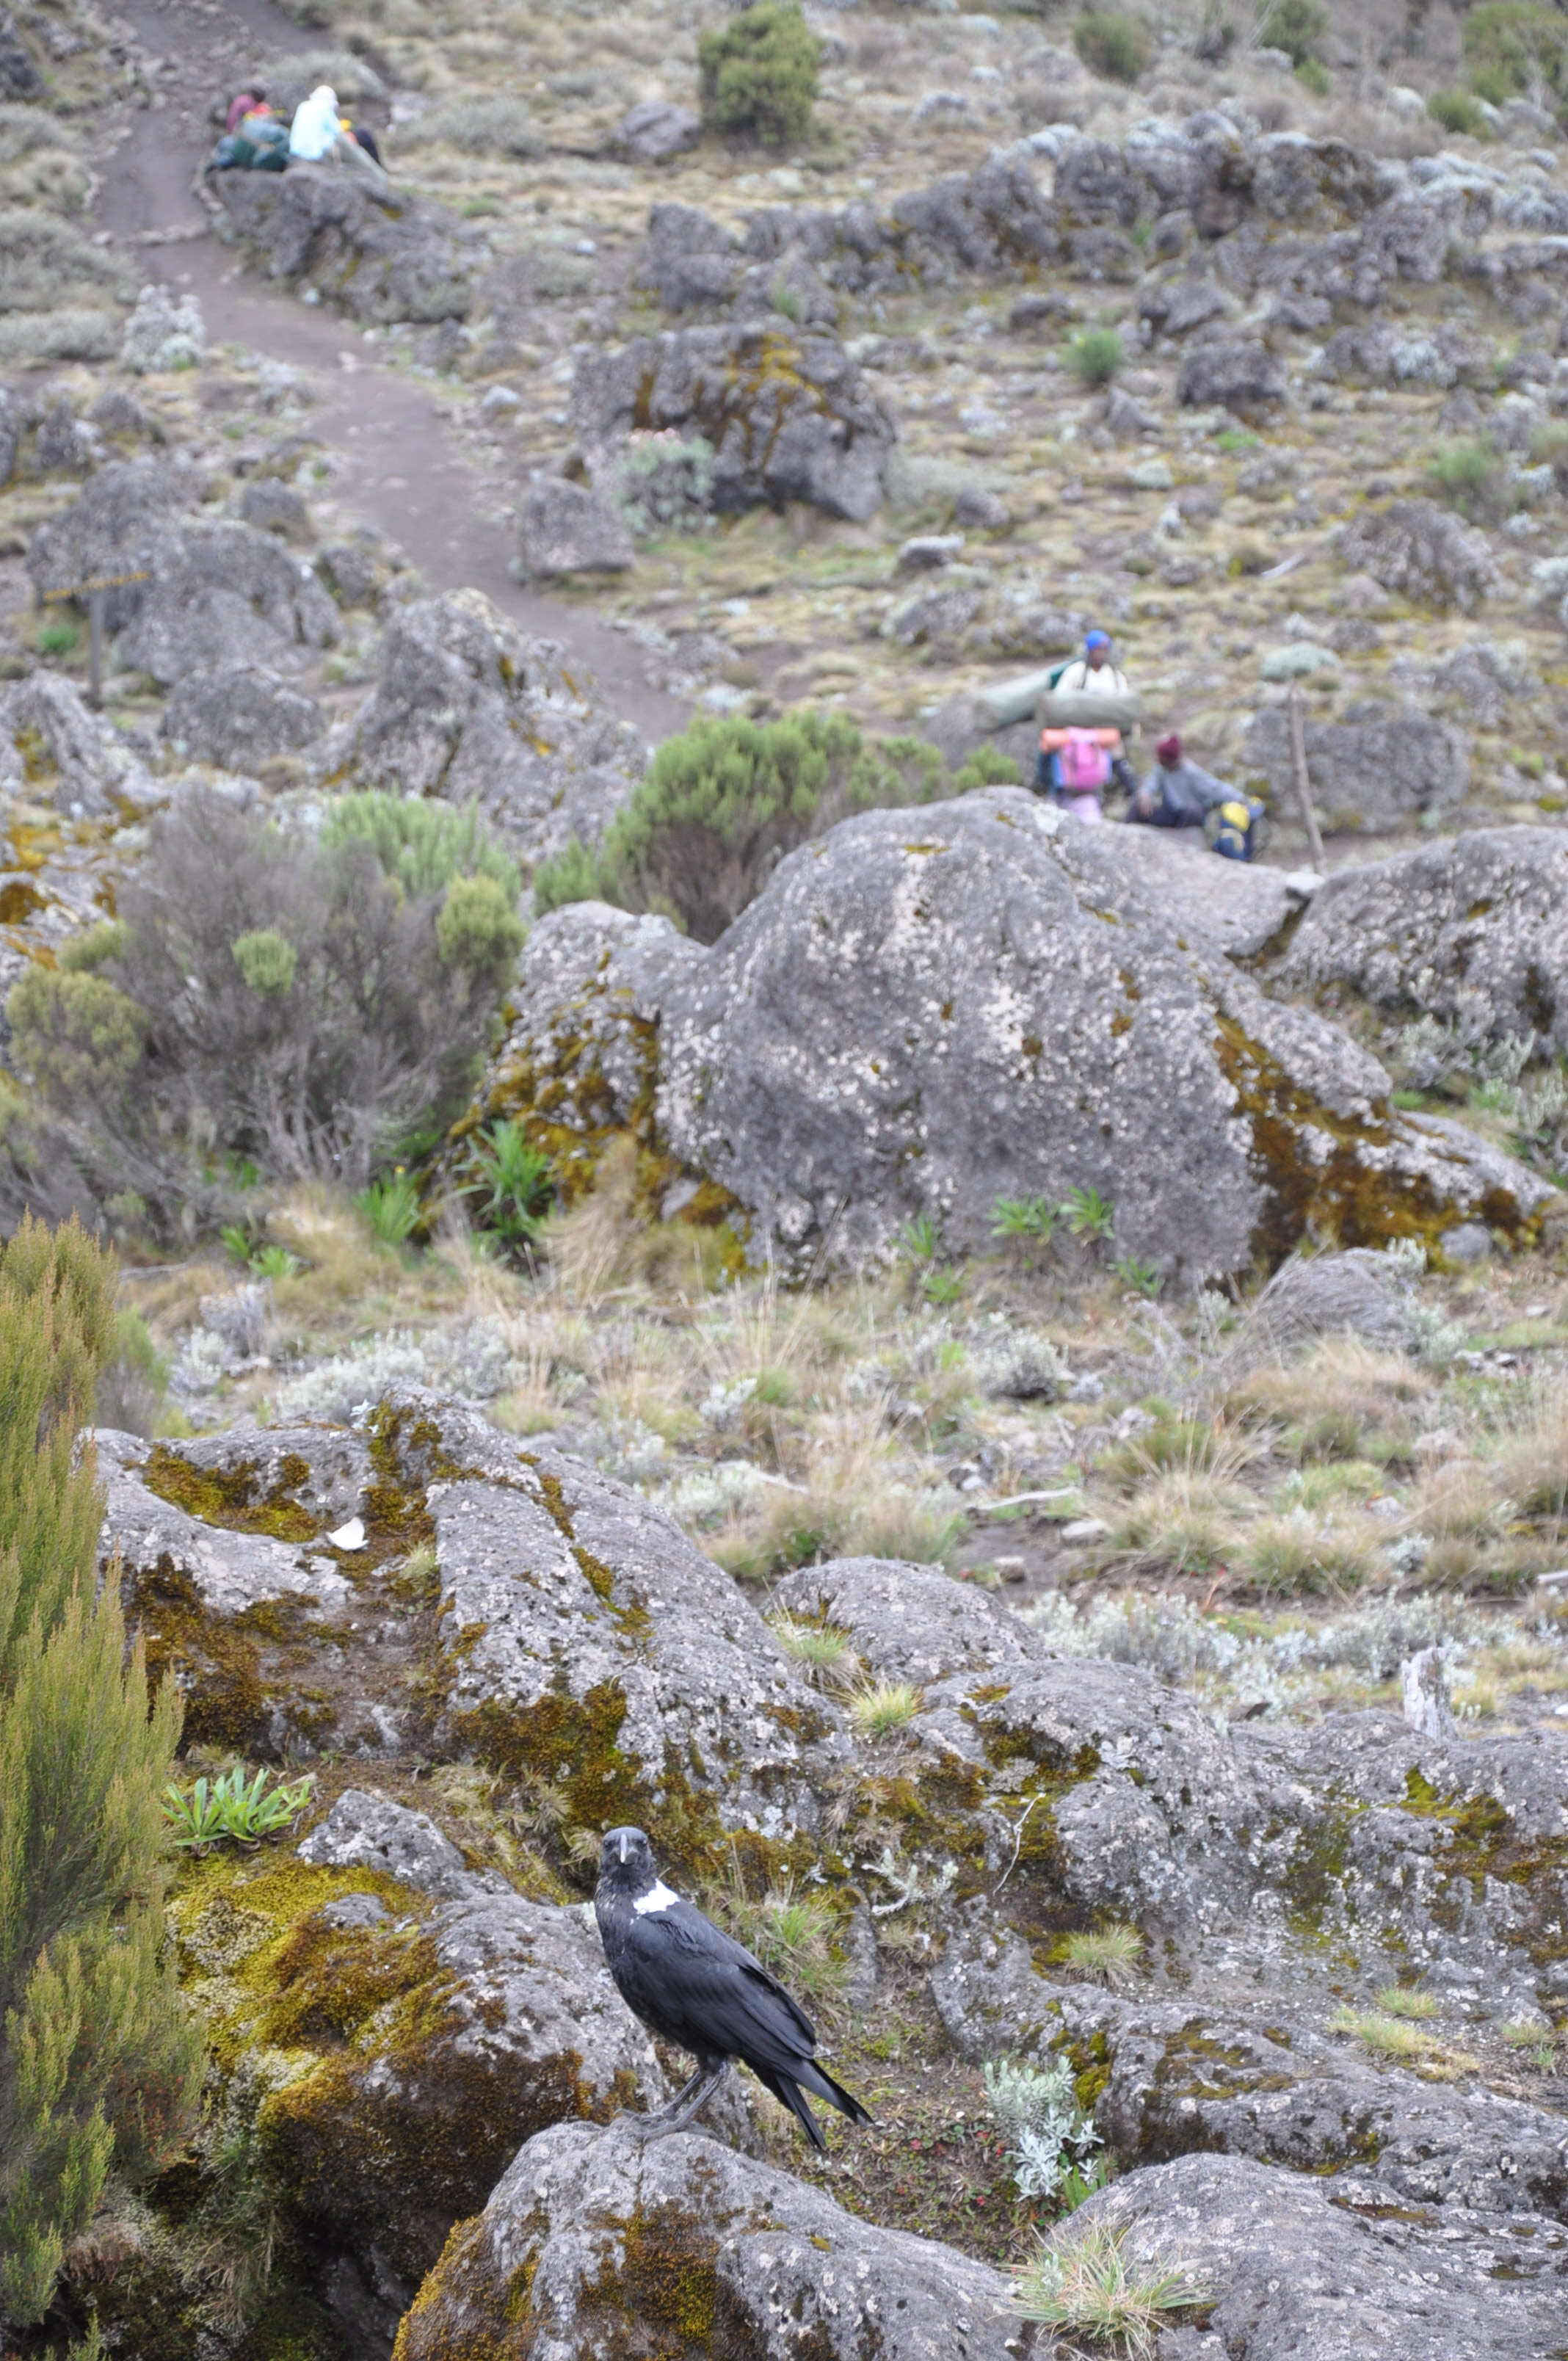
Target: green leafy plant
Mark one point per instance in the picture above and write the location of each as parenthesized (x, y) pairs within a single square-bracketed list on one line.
[(422, 843), (919, 1240), (1024, 1217), (1139, 1278), (265, 1261), (391, 1208), (231, 1808), (1473, 477), (942, 1285), (100, 2066), (1515, 48), (1313, 75), (883, 1707), (1108, 1954), (265, 958), (1458, 111), (1096, 356), (1235, 439), (60, 637), (1112, 44), (724, 801), (1048, 2133), (514, 1181), (988, 766), (1086, 2283), (1297, 27), (1087, 1213), (759, 74)]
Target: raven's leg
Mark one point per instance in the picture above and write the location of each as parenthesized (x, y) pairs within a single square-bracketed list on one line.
[(688, 2101)]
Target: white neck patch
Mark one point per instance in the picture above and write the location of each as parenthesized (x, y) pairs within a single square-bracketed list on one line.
[(659, 1899)]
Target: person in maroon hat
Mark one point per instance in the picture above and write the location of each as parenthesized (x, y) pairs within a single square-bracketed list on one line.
[(1177, 793)]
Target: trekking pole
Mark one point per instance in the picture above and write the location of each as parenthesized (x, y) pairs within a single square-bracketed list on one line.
[(1303, 784), (95, 646)]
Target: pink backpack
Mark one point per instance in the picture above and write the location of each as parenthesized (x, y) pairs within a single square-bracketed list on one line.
[(1083, 768)]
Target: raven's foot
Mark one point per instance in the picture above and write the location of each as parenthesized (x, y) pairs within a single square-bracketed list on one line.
[(688, 2101)]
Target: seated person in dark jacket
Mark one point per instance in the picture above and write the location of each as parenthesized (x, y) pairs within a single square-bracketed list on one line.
[(1177, 793)]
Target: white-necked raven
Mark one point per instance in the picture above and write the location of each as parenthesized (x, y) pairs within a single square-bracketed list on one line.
[(697, 1986)]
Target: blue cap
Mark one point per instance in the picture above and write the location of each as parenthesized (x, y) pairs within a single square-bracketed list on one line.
[(1097, 639)]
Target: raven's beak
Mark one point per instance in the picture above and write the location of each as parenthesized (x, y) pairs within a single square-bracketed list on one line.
[(623, 1845)]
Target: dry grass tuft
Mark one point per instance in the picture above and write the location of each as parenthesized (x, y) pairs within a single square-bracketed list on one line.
[(1342, 1401), (1108, 1955), (1088, 2284)]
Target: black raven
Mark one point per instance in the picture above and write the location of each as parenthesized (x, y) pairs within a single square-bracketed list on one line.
[(696, 1986)]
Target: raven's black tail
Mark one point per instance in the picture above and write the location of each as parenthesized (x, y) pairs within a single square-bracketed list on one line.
[(817, 2079)]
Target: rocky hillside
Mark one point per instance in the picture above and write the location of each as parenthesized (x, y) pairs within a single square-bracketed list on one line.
[(1001, 1389)]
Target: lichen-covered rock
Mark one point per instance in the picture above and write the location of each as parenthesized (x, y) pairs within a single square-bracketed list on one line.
[(467, 709), (906, 1622), (1472, 932), (1230, 373), (564, 528), (392, 2025), (222, 594), (789, 415), (655, 130), (45, 725), (383, 254), (1293, 2272), (237, 715), (692, 2248), (1422, 551), (1242, 906), (1374, 770)]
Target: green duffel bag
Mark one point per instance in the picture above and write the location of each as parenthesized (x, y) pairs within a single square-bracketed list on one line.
[(1081, 712)]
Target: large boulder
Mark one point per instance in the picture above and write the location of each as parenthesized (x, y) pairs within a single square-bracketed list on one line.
[(565, 528), (1230, 373), (789, 415), (380, 253), (920, 1021), (591, 2245), (223, 594), (1374, 770), (1296, 2269), (581, 1640), (239, 715), (45, 728), (1472, 932), (656, 129), (110, 531), (391, 2024), (1422, 551), (467, 709)]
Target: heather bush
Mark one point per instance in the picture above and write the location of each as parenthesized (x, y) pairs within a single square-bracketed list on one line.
[(1516, 49), (1112, 44), (724, 802), (760, 74)]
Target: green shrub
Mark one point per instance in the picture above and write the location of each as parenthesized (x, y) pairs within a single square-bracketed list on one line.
[(391, 1209), (423, 844), (1112, 44), (1313, 75), (723, 802), (988, 766), (1473, 478), (1458, 112), (77, 1035), (1297, 27), (99, 2068), (273, 999), (760, 74), (57, 638), (1514, 47), (1096, 356)]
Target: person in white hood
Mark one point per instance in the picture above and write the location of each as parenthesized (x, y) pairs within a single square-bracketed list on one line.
[(314, 131)]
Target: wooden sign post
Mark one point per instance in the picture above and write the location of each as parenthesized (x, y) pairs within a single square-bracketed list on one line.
[(95, 592)]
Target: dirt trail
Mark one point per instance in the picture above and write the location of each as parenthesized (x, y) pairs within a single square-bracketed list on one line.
[(395, 468)]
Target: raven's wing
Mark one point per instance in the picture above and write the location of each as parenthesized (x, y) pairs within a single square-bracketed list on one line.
[(698, 1987)]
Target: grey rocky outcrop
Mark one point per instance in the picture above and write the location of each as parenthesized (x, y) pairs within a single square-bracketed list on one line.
[(906, 1622), (239, 715), (467, 709), (111, 530), (598, 2230), (1374, 769), (1422, 551), (789, 415), (45, 724), (1230, 373), (1243, 907), (220, 594), (656, 129), (379, 252), (1474, 933), (996, 1007), (1297, 2269), (564, 528)]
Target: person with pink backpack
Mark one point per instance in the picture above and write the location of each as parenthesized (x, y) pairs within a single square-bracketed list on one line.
[(1078, 764)]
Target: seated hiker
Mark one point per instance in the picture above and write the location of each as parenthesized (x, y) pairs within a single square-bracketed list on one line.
[(248, 101), (314, 133), (1177, 793), (363, 137), (1075, 766)]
